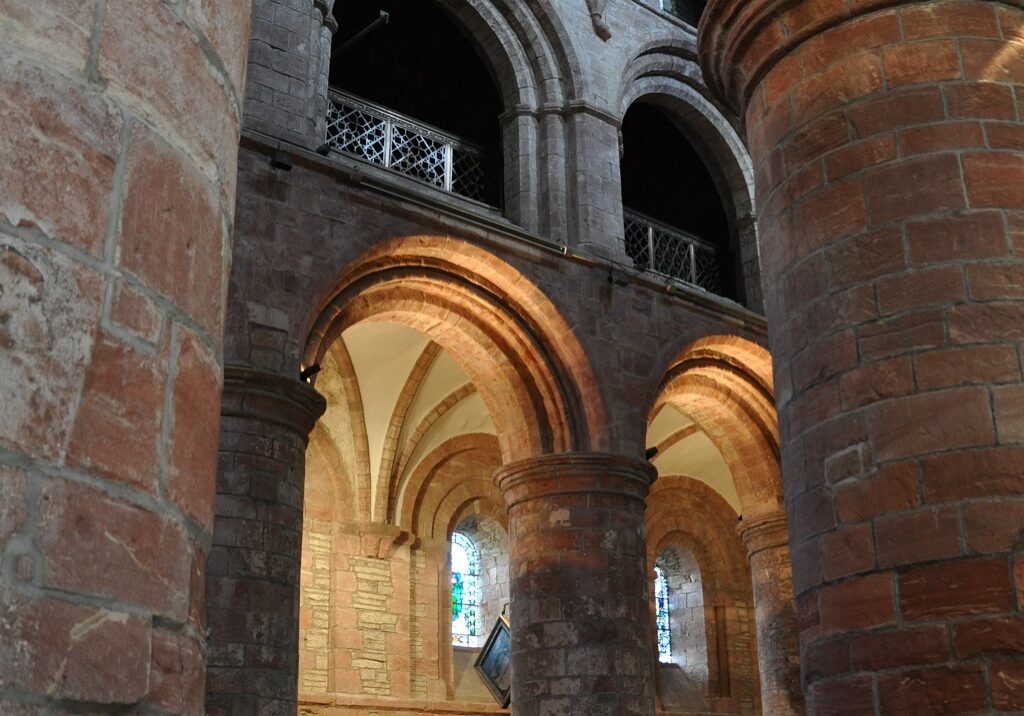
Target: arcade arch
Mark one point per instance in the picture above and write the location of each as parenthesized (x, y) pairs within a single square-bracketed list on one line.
[(714, 423)]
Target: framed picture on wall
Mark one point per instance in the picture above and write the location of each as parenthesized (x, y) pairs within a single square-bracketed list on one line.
[(495, 662)]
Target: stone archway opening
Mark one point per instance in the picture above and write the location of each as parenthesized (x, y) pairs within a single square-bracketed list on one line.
[(408, 439), (432, 382), (676, 222), (714, 421), (410, 92), (712, 663)]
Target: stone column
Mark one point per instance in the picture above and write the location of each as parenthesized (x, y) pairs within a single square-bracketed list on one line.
[(252, 574), (887, 141), (519, 170), (767, 545), (117, 157), (289, 66), (553, 187), (581, 630), (594, 183)]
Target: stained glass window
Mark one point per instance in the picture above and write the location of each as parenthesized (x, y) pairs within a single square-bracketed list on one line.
[(466, 591), (662, 615)]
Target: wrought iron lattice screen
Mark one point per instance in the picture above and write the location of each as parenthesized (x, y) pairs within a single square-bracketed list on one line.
[(660, 248), (378, 135)]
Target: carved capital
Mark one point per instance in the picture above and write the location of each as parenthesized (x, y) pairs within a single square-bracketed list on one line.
[(272, 398), (601, 29), (376, 539), (741, 40), (763, 533), (577, 472)]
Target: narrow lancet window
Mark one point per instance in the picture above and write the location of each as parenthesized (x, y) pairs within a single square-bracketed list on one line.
[(466, 591), (661, 607)]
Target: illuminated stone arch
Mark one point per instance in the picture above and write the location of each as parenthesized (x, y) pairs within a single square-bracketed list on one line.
[(452, 482), (506, 335), (724, 384)]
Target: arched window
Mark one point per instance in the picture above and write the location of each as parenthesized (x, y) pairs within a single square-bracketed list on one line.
[(467, 594), (413, 95), (675, 221), (661, 606)]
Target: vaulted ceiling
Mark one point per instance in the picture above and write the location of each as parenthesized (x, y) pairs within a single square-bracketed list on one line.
[(395, 398)]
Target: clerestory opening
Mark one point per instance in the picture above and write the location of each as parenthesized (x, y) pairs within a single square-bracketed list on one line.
[(675, 221), (410, 92)]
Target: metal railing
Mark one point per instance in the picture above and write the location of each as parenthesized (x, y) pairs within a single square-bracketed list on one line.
[(656, 247), (400, 143)]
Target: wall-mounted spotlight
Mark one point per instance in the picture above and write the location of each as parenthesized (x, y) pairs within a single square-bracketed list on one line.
[(281, 160), (651, 453), (324, 149), (309, 372)]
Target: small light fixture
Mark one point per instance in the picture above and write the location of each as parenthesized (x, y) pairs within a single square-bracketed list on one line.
[(324, 149), (281, 160), (651, 453), (617, 277), (309, 372)]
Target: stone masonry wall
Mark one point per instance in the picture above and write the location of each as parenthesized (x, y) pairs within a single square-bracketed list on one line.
[(117, 195), (561, 133), (370, 615), (315, 607), (297, 229)]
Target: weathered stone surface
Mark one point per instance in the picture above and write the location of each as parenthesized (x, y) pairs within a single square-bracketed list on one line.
[(93, 548), (925, 232), (72, 651), (65, 139), (50, 306), (145, 556), (171, 232)]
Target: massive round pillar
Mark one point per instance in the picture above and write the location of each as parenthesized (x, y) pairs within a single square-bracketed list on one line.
[(887, 138), (117, 160), (581, 631), (252, 574), (767, 545)]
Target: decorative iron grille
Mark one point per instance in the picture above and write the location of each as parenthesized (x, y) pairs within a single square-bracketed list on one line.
[(660, 248), (378, 135)]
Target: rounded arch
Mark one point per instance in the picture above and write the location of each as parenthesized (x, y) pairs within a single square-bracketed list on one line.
[(517, 349), (685, 512), (329, 492), (451, 483), (664, 72), (724, 384), (526, 47)]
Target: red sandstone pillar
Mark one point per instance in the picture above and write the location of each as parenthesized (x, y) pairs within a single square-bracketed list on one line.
[(581, 633), (252, 574), (887, 137), (767, 544), (118, 134)]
